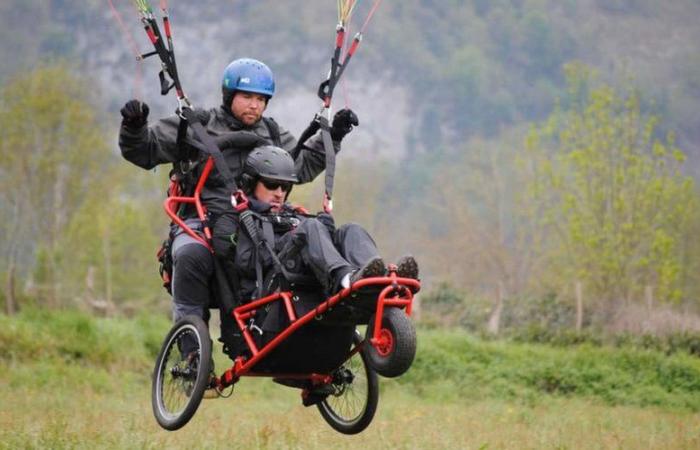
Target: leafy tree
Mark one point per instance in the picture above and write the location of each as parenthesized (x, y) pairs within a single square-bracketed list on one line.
[(116, 265), (52, 152), (610, 193)]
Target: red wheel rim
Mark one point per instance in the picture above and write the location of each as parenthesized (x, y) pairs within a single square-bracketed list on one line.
[(386, 342)]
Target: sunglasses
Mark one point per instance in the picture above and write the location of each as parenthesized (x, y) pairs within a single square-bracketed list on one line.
[(273, 185)]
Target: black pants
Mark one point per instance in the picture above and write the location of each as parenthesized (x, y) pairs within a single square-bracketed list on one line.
[(309, 249), (193, 268)]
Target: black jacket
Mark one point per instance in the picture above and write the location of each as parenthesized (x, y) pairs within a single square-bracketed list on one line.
[(150, 146)]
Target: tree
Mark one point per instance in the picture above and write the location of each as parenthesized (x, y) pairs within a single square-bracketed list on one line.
[(609, 191), (52, 152)]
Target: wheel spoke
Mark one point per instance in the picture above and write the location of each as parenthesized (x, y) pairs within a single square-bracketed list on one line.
[(349, 406), (179, 379)]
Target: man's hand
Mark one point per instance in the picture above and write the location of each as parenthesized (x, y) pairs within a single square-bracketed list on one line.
[(135, 114), (327, 221), (343, 121)]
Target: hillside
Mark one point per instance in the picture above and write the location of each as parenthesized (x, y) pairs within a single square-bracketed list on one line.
[(437, 71), (452, 97)]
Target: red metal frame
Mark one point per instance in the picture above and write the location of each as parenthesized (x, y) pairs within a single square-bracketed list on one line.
[(397, 292), (172, 204), (401, 290)]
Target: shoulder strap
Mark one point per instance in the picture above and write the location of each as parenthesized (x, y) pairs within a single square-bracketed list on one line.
[(274, 130), (211, 149)]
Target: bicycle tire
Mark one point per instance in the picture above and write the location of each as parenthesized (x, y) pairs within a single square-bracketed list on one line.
[(179, 381)]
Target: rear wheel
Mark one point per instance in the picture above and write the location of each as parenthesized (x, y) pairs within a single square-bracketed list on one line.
[(181, 374), (394, 353), (350, 409)]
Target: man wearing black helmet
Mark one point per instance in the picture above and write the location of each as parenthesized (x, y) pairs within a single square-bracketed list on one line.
[(336, 257), (239, 125)]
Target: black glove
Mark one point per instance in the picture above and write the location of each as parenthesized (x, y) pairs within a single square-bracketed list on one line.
[(327, 220), (343, 122), (135, 114)]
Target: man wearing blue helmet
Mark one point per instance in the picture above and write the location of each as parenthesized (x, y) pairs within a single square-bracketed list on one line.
[(238, 126), (255, 85)]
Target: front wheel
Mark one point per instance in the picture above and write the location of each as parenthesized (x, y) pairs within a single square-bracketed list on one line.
[(351, 408), (181, 374), (395, 351)]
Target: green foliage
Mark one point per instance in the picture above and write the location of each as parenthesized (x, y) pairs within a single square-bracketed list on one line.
[(549, 311), (683, 342), (52, 150), (75, 231), (447, 306), (611, 193), (69, 351), (668, 344), (118, 249), (476, 369), (77, 338)]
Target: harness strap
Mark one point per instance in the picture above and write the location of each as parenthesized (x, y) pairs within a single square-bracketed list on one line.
[(261, 238), (210, 148), (268, 232), (181, 136), (305, 136), (330, 162), (274, 131)]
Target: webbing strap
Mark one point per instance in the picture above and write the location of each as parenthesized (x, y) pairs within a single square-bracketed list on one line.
[(210, 148), (321, 122), (330, 158), (274, 131), (264, 239), (305, 136), (181, 136), (268, 232)]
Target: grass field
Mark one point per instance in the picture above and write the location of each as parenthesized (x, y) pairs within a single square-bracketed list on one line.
[(76, 393)]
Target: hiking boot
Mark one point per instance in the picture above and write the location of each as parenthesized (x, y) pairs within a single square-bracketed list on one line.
[(192, 361), (292, 382), (211, 391), (373, 268), (317, 394), (407, 267)]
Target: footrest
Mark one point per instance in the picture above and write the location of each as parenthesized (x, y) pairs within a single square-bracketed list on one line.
[(356, 309)]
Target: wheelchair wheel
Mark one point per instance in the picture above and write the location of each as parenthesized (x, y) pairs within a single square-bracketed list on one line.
[(351, 408), (396, 350), (182, 372)]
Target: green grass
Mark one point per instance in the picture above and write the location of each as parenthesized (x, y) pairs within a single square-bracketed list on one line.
[(71, 381), (480, 370)]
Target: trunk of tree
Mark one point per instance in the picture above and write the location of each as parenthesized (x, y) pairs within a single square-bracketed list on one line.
[(494, 324), (99, 306), (11, 279), (107, 255), (56, 227), (90, 284), (10, 299), (579, 306)]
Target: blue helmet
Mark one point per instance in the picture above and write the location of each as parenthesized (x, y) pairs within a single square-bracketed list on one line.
[(249, 75)]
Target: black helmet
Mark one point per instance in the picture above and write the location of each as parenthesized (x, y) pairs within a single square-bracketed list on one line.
[(269, 162)]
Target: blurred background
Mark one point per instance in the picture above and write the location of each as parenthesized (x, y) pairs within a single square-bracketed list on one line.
[(538, 158)]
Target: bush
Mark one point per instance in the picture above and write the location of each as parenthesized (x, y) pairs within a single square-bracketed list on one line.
[(74, 336), (561, 337), (477, 369), (547, 311), (447, 306)]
